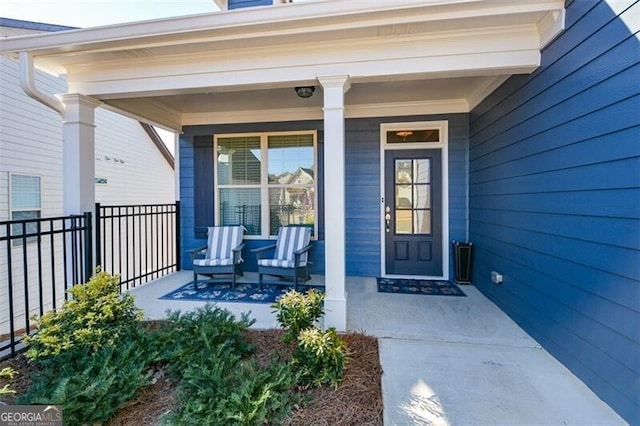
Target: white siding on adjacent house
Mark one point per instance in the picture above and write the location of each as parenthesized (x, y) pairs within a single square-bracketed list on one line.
[(136, 173), (31, 143)]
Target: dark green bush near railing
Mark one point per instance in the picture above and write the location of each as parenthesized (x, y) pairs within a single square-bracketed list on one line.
[(89, 354)]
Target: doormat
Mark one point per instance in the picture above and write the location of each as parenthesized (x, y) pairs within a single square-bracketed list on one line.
[(243, 292), (415, 286)]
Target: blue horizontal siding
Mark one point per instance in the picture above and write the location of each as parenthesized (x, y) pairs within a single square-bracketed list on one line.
[(363, 222), (554, 196), (362, 151), (239, 4)]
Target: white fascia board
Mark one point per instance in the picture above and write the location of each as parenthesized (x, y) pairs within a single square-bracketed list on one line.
[(251, 22), (494, 52), (396, 109)]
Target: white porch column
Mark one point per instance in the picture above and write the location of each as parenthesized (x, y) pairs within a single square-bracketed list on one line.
[(335, 304), (78, 153)]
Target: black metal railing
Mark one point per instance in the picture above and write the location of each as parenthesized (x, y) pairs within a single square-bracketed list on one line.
[(138, 242), (39, 260)]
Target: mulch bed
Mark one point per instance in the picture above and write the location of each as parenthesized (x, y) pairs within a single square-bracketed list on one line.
[(357, 401)]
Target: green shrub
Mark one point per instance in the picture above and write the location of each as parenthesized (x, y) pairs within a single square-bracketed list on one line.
[(296, 311), (185, 338), (222, 388), (320, 357), (96, 316), (91, 385)]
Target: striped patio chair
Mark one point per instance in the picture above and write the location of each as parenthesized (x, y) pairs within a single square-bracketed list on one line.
[(290, 255), (221, 255)]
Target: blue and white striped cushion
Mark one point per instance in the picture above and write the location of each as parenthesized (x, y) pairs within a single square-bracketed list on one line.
[(222, 240), (276, 263), (290, 239), (213, 262)]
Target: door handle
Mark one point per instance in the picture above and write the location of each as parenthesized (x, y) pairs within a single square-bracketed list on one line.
[(387, 219)]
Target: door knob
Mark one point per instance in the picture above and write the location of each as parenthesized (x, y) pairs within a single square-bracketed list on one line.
[(387, 219)]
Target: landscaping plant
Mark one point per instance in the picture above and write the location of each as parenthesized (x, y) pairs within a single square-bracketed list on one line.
[(89, 354), (320, 357), (220, 382), (10, 373), (96, 316), (296, 311)]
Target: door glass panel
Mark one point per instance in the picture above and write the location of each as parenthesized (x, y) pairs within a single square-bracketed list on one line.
[(422, 196), (403, 222), (404, 197), (422, 221), (403, 171), (422, 170), (413, 196)]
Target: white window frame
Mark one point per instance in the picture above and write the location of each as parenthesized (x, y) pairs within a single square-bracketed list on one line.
[(264, 180)]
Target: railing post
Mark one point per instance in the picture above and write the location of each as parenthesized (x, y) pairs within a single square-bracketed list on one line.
[(98, 236), (88, 247), (177, 225)]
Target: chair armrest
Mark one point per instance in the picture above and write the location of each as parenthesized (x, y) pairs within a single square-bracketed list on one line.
[(258, 251), (261, 249), (298, 254), (195, 251), (302, 250), (237, 254)]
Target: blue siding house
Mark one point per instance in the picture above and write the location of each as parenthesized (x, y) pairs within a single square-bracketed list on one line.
[(393, 128)]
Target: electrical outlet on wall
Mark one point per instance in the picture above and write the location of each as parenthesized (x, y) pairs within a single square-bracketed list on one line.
[(496, 277)]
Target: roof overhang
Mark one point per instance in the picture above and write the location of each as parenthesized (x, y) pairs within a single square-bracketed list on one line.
[(152, 69)]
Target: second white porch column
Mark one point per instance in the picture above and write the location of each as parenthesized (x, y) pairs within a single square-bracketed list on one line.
[(335, 304), (78, 154)]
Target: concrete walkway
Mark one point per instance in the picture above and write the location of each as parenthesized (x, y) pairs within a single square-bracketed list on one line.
[(446, 360)]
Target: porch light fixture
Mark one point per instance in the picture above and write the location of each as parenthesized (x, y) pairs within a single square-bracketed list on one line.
[(305, 91), (403, 134)]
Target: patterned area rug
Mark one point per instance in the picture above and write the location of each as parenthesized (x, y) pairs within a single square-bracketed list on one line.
[(222, 292), (412, 286)]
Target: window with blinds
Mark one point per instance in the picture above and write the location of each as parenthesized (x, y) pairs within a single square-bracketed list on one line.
[(25, 202), (265, 181)]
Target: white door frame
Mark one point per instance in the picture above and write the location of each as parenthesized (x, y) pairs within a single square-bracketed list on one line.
[(443, 146)]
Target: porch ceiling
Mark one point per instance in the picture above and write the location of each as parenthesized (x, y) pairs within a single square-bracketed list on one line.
[(411, 55)]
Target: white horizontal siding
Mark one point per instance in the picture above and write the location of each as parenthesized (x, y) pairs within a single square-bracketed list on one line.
[(145, 177), (31, 143)]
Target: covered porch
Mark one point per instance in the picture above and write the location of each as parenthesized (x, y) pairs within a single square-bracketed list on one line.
[(445, 360), (402, 60)]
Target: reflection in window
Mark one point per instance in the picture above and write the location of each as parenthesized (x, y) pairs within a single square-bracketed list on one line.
[(413, 196), (288, 183)]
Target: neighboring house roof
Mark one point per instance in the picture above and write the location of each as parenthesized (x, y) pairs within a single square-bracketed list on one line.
[(157, 141), (33, 26), (414, 56)]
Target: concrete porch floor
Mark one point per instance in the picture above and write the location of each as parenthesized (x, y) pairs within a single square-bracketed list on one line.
[(446, 360)]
